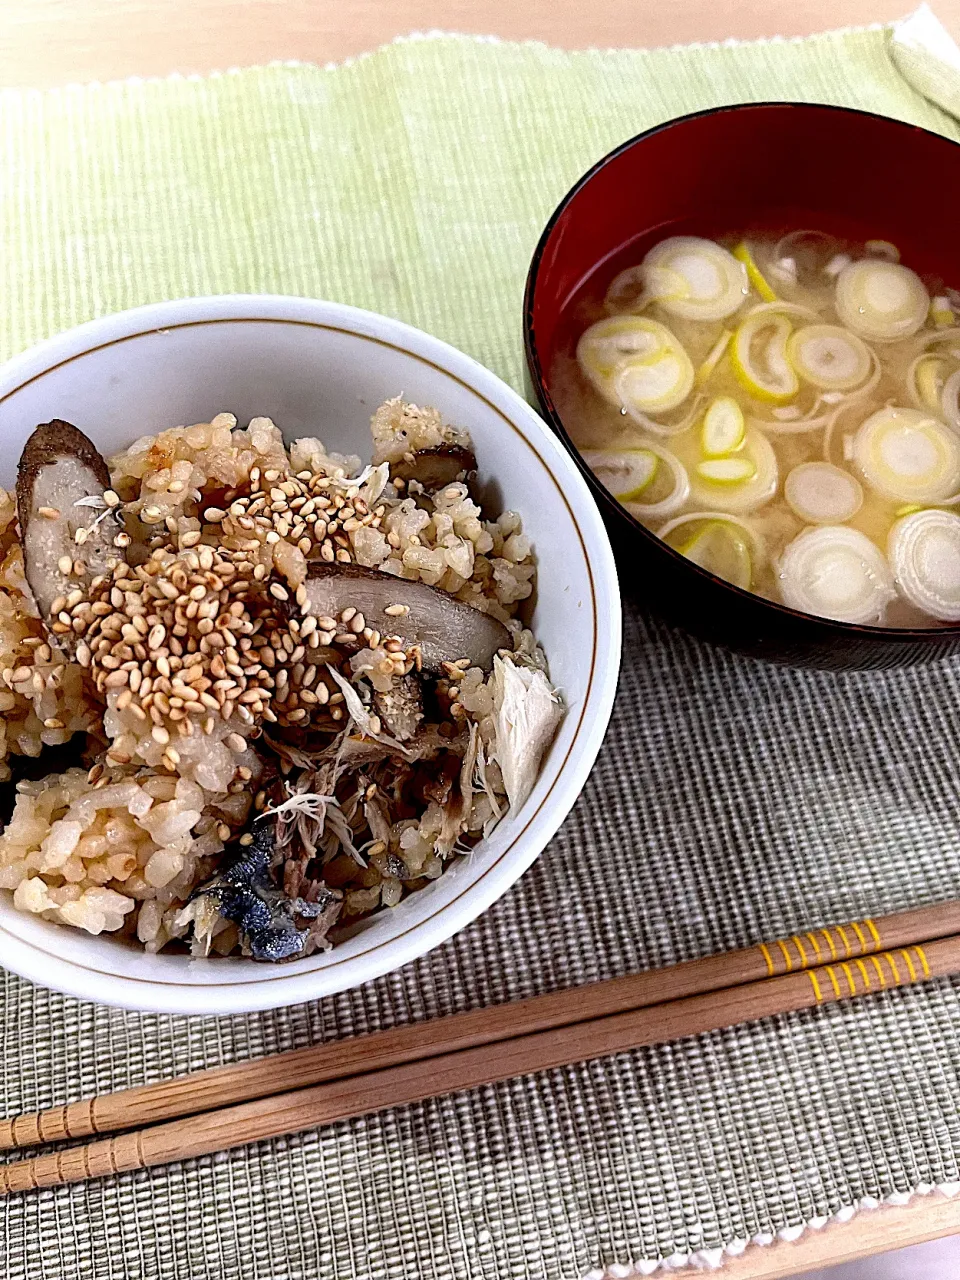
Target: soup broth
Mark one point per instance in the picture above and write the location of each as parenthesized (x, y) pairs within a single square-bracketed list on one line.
[(783, 411)]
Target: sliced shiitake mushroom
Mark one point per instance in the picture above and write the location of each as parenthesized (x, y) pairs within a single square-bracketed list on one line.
[(400, 708), (60, 469), (434, 468), (445, 628)]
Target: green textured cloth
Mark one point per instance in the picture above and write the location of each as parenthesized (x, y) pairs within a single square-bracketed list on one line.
[(415, 182)]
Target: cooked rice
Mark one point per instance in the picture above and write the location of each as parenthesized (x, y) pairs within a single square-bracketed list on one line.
[(121, 848)]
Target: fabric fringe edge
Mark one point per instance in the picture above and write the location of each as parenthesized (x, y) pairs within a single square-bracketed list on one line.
[(713, 1259), (415, 37)]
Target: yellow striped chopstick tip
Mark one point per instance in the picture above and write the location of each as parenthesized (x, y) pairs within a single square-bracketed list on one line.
[(833, 981), (816, 946)]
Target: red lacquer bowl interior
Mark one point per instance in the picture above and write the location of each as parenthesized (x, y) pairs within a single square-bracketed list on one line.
[(764, 167)]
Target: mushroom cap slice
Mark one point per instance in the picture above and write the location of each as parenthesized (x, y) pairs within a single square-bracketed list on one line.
[(437, 467), (445, 628), (59, 468)]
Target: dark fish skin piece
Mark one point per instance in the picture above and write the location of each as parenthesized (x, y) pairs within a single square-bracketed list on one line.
[(436, 467), (444, 627), (246, 895), (56, 439), (60, 459)]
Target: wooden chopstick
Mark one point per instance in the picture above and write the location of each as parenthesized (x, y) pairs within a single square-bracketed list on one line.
[(467, 1068), (222, 1086)]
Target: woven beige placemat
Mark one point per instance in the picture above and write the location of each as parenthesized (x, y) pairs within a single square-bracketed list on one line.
[(732, 801)]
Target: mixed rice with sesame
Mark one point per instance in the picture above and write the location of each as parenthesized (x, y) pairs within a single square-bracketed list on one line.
[(294, 687)]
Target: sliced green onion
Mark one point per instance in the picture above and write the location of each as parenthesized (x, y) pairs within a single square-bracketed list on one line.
[(941, 313), (839, 262), (627, 293), (950, 400), (907, 455), (694, 278), (618, 468), (625, 473), (754, 274), (802, 246), (754, 484), (714, 356), (925, 380), (836, 572), (717, 542), (723, 427), (882, 249), (829, 357), (881, 300), (606, 347), (942, 335), (789, 420), (721, 549), (820, 493), (924, 550), (783, 309), (727, 470), (655, 384), (665, 430), (784, 270), (759, 359)]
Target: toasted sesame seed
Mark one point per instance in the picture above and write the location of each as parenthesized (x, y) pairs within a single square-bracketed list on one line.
[(246, 839), (190, 539), (397, 610), (65, 565), (214, 514), (278, 592), (160, 735), (48, 513), (235, 742)]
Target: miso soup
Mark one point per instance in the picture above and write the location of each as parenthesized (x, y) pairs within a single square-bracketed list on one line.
[(784, 412)]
